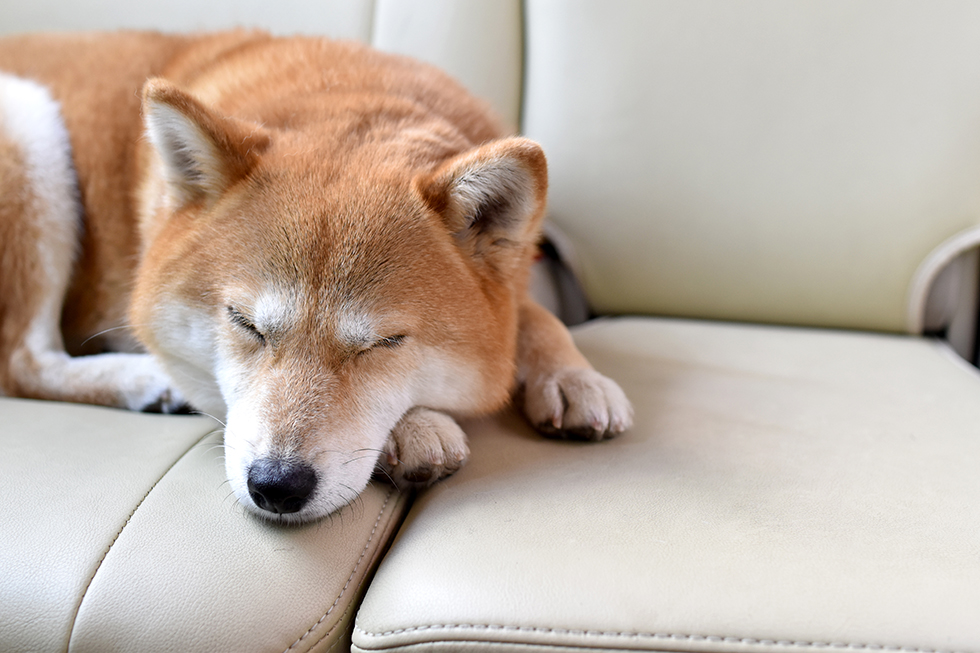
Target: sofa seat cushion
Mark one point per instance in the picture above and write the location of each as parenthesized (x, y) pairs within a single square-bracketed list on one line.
[(120, 534), (782, 489)]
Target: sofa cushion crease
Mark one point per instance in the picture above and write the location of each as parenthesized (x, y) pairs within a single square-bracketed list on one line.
[(127, 517), (232, 581), (98, 565), (72, 477), (344, 622)]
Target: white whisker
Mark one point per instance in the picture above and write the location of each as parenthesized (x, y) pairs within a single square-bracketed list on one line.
[(201, 412), (105, 331)]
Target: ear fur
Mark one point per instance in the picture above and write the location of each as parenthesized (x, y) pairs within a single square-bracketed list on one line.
[(202, 153), (492, 197)]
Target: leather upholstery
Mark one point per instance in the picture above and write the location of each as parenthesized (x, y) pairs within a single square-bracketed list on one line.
[(119, 535), (763, 160), (349, 19), (479, 42), (782, 489), (71, 478), (812, 162)]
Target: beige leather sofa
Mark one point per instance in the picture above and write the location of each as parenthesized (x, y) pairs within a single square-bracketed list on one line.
[(775, 198)]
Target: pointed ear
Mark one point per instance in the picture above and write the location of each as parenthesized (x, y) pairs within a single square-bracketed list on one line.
[(202, 153), (492, 197)]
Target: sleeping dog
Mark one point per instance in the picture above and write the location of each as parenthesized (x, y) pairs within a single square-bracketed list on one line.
[(324, 246)]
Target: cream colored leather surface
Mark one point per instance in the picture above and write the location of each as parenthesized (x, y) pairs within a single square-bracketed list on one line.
[(126, 520), (193, 573), (782, 490), (479, 42), (70, 477), (349, 19), (760, 160)]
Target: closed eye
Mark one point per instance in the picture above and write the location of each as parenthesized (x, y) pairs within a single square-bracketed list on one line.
[(390, 342), (242, 322)]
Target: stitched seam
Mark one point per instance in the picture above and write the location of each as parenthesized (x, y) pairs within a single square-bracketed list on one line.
[(98, 565), (350, 607), (349, 579), (659, 636)]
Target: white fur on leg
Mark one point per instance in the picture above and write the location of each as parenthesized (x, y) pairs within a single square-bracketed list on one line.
[(31, 118)]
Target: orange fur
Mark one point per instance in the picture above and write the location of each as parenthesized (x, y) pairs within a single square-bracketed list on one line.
[(19, 268), (327, 243)]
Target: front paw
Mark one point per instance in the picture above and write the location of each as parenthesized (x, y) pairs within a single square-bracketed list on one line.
[(424, 447), (577, 403), (147, 388), (169, 402)]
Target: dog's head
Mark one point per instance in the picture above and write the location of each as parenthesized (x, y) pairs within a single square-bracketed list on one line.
[(314, 284)]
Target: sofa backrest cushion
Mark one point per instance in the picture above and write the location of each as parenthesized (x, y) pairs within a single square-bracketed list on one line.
[(477, 41), (760, 160), (480, 42)]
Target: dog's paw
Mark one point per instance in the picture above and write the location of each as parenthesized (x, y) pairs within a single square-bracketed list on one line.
[(168, 402), (577, 403), (147, 388), (424, 447)]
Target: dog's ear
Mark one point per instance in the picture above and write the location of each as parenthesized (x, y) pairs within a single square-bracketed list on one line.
[(202, 153), (491, 198)]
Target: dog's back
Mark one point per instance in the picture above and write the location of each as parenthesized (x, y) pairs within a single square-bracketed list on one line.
[(96, 79)]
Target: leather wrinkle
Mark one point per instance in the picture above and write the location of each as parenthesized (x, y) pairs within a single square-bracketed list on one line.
[(675, 637), (98, 565), (357, 565)]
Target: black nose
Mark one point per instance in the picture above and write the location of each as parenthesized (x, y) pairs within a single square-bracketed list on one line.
[(280, 486)]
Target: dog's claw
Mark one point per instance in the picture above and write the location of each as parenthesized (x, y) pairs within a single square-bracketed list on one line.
[(421, 475), (169, 403)]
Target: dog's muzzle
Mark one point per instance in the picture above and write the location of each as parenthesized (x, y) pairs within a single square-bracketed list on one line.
[(280, 486)]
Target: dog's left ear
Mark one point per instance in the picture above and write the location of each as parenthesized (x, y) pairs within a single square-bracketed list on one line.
[(491, 198), (203, 153)]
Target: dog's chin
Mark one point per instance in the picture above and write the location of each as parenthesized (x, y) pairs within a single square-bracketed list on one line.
[(312, 511), (325, 501), (304, 516)]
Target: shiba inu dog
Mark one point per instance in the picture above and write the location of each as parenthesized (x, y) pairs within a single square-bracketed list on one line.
[(325, 246)]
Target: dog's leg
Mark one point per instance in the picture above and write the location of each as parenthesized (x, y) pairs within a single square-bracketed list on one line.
[(40, 218), (424, 447), (562, 395)]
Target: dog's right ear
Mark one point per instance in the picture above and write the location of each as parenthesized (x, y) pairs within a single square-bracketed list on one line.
[(491, 198), (202, 153)]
